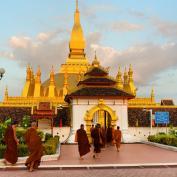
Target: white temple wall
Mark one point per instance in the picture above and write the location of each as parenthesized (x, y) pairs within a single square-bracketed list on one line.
[(80, 106)]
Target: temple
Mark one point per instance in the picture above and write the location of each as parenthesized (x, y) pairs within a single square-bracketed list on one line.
[(87, 87)]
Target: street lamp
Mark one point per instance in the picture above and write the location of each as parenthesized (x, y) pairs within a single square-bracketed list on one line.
[(2, 71), (149, 110)]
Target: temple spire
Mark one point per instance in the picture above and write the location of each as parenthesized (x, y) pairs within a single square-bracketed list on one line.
[(77, 5), (95, 62), (119, 79)]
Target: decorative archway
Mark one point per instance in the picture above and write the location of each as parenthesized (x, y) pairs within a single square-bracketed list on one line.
[(100, 107)]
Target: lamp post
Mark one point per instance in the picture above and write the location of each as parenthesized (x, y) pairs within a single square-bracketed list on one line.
[(149, 110), (2, 71)]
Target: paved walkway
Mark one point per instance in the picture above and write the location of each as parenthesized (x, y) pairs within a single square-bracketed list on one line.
[(129, 154), (143, 172)]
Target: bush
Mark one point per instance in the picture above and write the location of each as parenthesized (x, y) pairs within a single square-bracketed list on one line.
[(25, 123), (48, 136), (167, 139), (20, 132), (2, 150), (22, 150), (51, 145)]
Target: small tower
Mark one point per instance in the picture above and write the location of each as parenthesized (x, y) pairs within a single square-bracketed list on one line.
[(6, 94), (37, 86), (131, 81), (95, 62), (65, 85), (125, 85), (152, 95), (52, 87), (26, 89), (119, 79)]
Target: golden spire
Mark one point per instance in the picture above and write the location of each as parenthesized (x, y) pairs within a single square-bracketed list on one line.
[(152, 95), (119, 79), (6, 93), (130, 74), (28, 73), (131, 81), (77, 40), (38, 75), (95, 62), (125, 77), (52, 92), (52, 79), (32, 75), (77, 5)]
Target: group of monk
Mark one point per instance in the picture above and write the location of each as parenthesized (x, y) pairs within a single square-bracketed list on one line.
[(33, 142), (100, 138)]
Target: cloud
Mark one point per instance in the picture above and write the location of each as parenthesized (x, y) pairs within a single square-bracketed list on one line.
[(6, 54), (45, 49), (165, 28), (125, 26), (148, 60), (42, 50)]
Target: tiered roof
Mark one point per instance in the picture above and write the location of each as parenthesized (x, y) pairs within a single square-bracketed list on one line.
[(98, 84)]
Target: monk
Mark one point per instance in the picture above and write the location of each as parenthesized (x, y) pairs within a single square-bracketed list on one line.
[(117, 138), (91, 129), (35, 147), (109, 137), (96, 135), (11, 141), (83, 142)]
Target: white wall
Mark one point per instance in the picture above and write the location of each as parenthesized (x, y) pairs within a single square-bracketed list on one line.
[(80, 106)]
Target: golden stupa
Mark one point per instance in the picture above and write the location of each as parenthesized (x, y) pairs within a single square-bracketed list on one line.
[(60, 84)]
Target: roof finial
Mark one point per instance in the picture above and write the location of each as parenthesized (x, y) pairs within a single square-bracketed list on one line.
[(77, 5), (95, 55)]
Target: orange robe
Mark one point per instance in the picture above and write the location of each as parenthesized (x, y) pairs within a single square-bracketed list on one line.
[(35, 147), (117, 137), (83, 142), (11, 154)]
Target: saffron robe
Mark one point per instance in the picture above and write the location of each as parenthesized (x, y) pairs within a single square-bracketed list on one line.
[(117, 138), (35, 147), (83, 142), (11, 153)]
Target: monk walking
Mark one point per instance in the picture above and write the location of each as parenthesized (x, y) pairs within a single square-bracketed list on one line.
[(35, 147), (83, 142), (11, 141), (96, 135), (117, 138)]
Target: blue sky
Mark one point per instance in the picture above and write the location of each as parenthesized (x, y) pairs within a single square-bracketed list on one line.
[(142, 33)]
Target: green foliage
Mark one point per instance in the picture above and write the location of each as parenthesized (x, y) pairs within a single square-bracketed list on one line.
[(2, 150), (22, 150), (167, 139), (51, 145), (48, 136), (173, 131), (25, 123), (20, 132), (3, 127)]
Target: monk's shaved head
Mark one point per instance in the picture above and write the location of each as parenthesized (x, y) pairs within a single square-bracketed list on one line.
[(33, 124)]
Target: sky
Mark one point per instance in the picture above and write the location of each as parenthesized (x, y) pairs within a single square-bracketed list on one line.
[(142, 33)]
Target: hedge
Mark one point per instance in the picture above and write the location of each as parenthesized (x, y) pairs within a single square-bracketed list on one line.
[(50, 147), (166, 139)]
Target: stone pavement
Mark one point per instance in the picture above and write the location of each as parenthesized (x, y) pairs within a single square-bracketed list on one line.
[(129, 154), (135, 172)]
